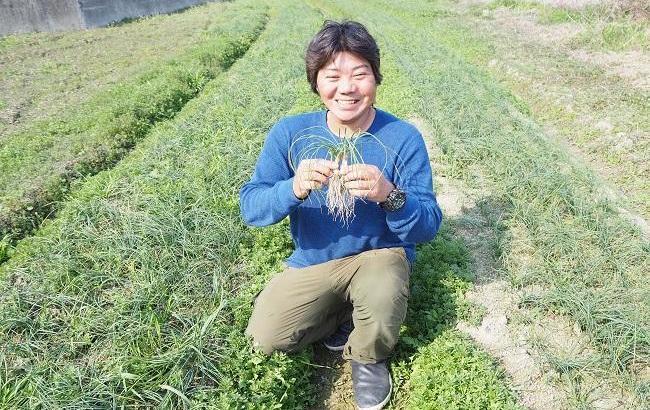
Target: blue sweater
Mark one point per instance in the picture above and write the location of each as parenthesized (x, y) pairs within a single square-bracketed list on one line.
[(268, 197)]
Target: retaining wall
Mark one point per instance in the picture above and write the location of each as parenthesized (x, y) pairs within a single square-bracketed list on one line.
[(23, 16)]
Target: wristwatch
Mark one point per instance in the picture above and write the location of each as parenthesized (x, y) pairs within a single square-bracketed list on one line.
[(394, 201)]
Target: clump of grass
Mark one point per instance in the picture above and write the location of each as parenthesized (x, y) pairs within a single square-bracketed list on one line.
[(343, 150), (340, 203), (138, 293)]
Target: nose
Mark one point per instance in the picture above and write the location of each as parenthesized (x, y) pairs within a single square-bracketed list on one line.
[(347, 85)]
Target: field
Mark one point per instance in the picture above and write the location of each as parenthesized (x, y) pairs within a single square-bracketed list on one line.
[(127, 274)]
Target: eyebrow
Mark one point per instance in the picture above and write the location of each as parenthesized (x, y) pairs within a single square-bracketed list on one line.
[(354, 68)]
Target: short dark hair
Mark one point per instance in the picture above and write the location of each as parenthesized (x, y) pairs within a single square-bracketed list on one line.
[(336, 37)]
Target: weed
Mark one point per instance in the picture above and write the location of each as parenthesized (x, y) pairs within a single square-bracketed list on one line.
[(344, 151), (138, 293)]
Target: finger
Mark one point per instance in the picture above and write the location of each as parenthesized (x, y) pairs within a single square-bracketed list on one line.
[(315, 176), (357, 184), (327, 164), (356, 171), (359, 193), (324, 169), (310, 185), (351, 172), (321, 164), (321, 168)]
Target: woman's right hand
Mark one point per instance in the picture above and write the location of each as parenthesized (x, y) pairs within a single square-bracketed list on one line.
[(312, 174)]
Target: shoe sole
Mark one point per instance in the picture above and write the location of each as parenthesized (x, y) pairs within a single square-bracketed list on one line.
[(334, 348), (383, 403)]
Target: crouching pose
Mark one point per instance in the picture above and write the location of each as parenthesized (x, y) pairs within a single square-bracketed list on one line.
[(356, 184)]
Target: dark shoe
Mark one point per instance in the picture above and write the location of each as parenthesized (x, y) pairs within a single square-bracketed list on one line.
[(372, 385), (337, 341)]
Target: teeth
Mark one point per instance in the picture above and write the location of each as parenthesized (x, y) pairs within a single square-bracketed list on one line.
[(348, 102)]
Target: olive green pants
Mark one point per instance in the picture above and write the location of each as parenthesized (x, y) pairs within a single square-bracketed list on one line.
[(302, 305)]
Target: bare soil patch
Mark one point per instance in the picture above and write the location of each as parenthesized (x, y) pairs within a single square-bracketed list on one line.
[(571, 4), (633, 66), (524, 24), (333, 379)]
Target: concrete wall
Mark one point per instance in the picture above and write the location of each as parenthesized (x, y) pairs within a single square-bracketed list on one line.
[(23, 16), (98, 13)]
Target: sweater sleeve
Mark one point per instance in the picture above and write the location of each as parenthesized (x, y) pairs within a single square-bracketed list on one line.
[(420, 217), (268, 197)]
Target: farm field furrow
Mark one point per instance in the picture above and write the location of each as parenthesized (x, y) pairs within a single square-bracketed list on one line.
[(137, 293), (557, 235), (39, 165), (43, 75), (600, 111)]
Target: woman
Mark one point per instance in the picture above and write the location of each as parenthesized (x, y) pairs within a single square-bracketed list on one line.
[(347, 282)]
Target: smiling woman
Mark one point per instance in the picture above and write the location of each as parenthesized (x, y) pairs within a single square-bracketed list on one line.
[(345, 76), (348, 280), (347, 87)]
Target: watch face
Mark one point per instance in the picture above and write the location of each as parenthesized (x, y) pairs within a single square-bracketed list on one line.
[(395, 200), (400, 199)]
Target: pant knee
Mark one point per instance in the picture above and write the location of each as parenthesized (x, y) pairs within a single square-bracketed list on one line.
[(267, 340)]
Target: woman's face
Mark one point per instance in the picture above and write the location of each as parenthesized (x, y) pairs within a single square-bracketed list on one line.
[(347, 87)]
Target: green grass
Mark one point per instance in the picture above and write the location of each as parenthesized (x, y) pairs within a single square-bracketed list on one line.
[(559, 231), (619, 35), (138, 293), (38, 166), (42, 75), (450, 373)]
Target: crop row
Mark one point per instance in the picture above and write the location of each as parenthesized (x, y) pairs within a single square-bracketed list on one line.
[(139, 291), (556, 227), (39, 165)]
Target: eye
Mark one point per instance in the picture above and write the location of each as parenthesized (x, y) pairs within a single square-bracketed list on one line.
[(360, 75), (332, 77)]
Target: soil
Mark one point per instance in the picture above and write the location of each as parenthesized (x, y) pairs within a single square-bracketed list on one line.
[(524, 24), (571, 4), (333, 378), (633, 66)]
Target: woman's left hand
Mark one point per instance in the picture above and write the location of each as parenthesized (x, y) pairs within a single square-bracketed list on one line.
[(366, 181)]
